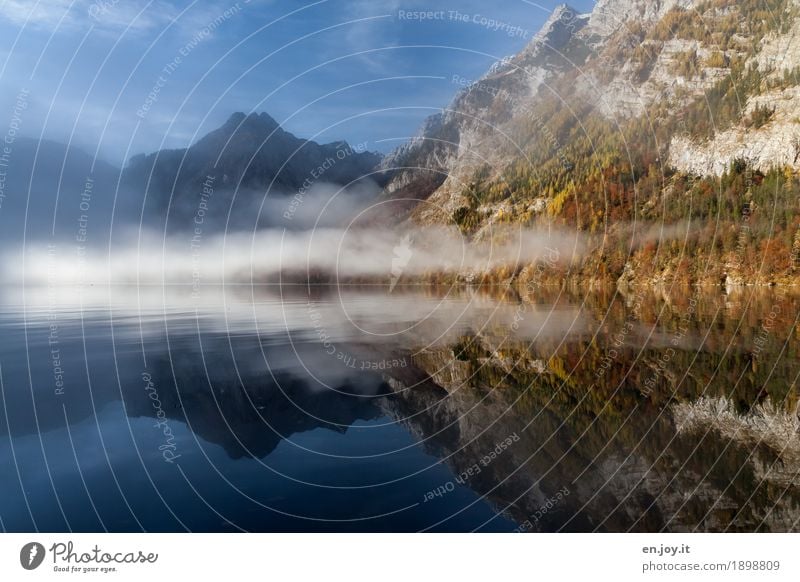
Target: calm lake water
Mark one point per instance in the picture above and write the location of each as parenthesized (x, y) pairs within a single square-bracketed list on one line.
[(356, 409)]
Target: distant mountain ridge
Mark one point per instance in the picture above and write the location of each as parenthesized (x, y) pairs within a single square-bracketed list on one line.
[(250, 155), (53, 190)]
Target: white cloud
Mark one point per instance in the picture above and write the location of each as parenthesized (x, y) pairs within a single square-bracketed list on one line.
[(373, 34), (43, 13), (109, 15)]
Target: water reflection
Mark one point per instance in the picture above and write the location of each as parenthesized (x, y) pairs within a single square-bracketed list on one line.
[(339, 409)]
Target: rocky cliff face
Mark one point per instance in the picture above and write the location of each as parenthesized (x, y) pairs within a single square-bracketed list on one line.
[(625, 55), (777, 141), (609, 15), (454, 144), (604, 118)]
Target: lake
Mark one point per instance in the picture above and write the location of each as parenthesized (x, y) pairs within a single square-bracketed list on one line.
[(278, 409)]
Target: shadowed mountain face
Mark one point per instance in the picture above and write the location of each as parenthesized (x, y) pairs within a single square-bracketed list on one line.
[(240, 176), (236, 167), (52, 191)]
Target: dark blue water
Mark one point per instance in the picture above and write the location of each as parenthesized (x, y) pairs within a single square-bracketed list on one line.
[(171, 424), (336, 410)]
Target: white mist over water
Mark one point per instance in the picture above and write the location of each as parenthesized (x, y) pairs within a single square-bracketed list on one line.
[(367, 253)]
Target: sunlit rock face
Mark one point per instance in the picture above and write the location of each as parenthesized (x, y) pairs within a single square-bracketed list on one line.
[(621, 60), (451, 145)]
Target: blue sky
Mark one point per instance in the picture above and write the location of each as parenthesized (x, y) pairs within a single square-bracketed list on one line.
[(127, 76)]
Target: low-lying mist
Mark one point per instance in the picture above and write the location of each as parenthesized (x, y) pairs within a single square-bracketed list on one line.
[(234, 210), (380, 254)]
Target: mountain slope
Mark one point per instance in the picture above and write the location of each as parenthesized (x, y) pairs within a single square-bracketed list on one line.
[(666, 131), (243, 161), (452, 143), (60, 193)]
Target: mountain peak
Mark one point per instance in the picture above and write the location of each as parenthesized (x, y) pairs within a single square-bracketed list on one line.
[(236, 118), (262, 121), (561, 12), (249, 153), (558, 29), (564, 14)]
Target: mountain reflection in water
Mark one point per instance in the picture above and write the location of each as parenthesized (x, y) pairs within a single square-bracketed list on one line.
[(348, 409)]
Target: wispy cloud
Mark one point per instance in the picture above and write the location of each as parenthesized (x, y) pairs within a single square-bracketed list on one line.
[(373, 34), (43, 13), (110, 15)]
